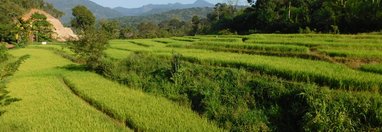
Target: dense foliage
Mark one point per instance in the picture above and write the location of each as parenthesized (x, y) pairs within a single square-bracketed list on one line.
[(263, 16), (83, 18), (292, 16)]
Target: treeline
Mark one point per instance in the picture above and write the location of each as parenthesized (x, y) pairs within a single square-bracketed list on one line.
[(293, 16), (265, 16)]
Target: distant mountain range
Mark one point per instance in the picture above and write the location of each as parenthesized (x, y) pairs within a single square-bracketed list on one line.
[(99, 11), (105, 12), (153, 9), (180, 14)]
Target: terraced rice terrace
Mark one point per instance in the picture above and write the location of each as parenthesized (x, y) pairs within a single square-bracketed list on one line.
[(259, 82)]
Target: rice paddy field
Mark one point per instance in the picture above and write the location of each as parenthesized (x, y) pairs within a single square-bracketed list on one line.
[(259, 82)]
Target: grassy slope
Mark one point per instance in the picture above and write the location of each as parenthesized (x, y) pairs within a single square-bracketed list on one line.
[(47, 104)]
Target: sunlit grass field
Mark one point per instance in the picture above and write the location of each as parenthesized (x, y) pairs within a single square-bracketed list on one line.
[(57, 95), (49, 104)]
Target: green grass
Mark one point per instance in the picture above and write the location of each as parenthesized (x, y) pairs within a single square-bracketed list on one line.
[(141, 111), (314, 40), (375, 68), (56, 99), (166, 40), (355, 53), (221, 39), (116, 54), (251, 47), (335, 76), (185, 39), (50, 104), (323, 73), (46, 103)]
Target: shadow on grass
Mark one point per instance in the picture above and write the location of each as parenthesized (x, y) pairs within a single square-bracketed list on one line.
[(74, 67)]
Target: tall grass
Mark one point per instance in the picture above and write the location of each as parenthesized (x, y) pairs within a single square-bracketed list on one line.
[(255, 47), (140, 111), (356, 53), (323, 73), (236, 40), (375, 68), (327, 74), (239, 100)]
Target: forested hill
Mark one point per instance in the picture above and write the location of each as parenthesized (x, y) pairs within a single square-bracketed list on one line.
[(180, 14)]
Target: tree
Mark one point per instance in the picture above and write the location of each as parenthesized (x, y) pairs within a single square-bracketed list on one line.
[(126, 33), (148, 30), (90, 47), (195, 25), (42, 29), (112, 27), (83, 18), (91, 41)]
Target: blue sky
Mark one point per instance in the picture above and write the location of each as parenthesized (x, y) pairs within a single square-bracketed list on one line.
[(139, 3)]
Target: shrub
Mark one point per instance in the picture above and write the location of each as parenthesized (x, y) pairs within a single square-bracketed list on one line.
[(90, 47)]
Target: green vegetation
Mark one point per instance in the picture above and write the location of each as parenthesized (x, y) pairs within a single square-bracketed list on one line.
[(42, 29), (376, 68), (263, 16), (90, 110), (8, 67), (178, 83), (91, 43), (90, 47), (249, 48), (83, 18), (243, 92), (140, 111), (46, 103)]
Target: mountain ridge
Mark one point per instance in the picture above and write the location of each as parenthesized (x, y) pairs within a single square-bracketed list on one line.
[(160, 8), (102, 12), (99, 11)]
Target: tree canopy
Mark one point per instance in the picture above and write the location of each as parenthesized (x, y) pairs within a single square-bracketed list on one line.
[(83, 18)]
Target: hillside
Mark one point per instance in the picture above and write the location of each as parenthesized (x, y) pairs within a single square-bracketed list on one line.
[(61, 33), (99, 11), (181, 14), (155, 9), (11, 28)]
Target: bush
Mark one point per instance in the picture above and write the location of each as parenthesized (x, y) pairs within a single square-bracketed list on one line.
[(90, 47)]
